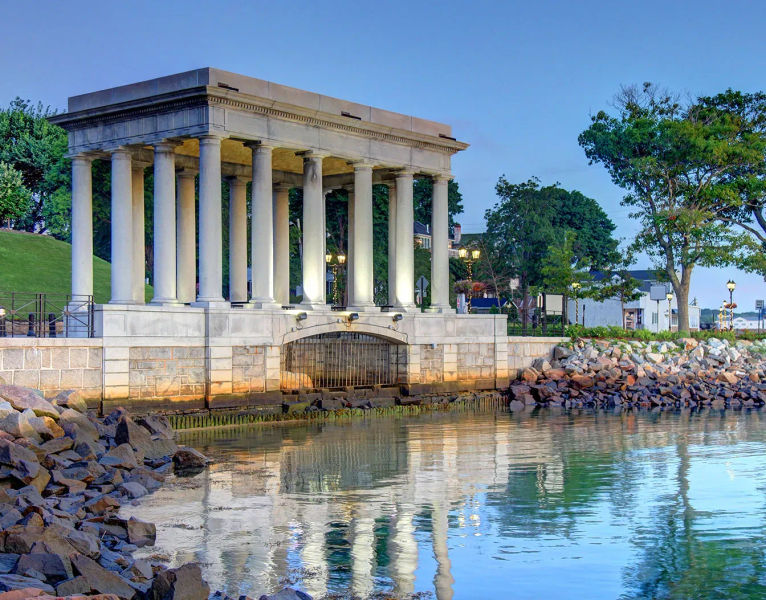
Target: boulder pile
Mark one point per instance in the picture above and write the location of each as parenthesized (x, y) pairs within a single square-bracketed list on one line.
[(63, 476), (686, 373)]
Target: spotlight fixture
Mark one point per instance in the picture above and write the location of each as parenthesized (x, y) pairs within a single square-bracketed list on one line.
[(352, 317), (398, 317), (301, 316)]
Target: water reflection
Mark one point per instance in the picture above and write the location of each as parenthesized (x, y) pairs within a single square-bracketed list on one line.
[(469, 505)]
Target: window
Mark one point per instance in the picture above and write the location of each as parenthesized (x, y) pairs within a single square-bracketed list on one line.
[(655, 316)]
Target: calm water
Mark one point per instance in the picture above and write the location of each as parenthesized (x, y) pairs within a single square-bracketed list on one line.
[(478, 505)]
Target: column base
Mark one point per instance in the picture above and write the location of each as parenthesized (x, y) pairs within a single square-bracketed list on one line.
[(315, 306), (130, 302), (364, 308), (216, 303), (441, 309), (267, 304), (407, 308), (164, 302)]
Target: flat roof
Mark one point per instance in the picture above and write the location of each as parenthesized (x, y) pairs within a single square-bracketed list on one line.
[(260, 88)]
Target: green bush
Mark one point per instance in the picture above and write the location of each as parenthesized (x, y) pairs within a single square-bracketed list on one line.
[(645, 335)]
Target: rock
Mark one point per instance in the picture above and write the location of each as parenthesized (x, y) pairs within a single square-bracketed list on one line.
[(189, 458), (101, 580), (133, 489), (8, 562), (23, 594), (18, 457), (561, 352), (18, 426), (57, 445), (10, 582), (583, 381), (140, 533), (529, 375), (70, 399), (55, 568), (541, 364), (183, 583), (45, 427), (125, 455), (727, 377), (71, 416), (655, 357), (287, 594), (688, 343), (157, 425), (22, 398), (76, 585)]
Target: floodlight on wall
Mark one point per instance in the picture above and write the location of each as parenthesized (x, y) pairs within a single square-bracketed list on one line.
[(301, 316), (352, 317), (398, 317)]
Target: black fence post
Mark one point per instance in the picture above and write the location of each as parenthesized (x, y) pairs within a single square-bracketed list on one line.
[(544, 315), (31, 328), (52, 325)]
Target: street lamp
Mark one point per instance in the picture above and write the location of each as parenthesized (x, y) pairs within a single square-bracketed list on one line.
[(336, 263), (576, 285), (731, 285), (469, 257), (669, 296)]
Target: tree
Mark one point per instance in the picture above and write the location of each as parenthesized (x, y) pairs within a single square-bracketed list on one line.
[(422, 194), (562, 271), (618, 283), (14, 197), (529, 218), (681, 166)]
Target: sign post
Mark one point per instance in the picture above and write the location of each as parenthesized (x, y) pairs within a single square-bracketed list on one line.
[(422, 285), (759, 307)]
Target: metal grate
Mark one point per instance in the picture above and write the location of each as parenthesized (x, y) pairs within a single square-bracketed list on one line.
[(25, 314), (341, 359)]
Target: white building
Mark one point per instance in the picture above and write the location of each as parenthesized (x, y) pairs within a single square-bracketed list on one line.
[(644, 313)]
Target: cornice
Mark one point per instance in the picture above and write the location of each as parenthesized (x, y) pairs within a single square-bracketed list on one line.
[(210, 96)]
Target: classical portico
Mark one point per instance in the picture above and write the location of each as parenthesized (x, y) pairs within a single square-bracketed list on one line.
[(199, 129)]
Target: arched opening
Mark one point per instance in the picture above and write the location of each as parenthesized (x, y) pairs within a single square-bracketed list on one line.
[(341, 359)]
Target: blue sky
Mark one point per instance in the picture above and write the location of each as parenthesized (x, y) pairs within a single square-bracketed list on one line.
[(517, 80)]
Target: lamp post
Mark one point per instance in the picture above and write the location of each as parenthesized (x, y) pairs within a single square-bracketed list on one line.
[(731, 285), (576, 285), (469, 257), (336, 264), (669, 296)]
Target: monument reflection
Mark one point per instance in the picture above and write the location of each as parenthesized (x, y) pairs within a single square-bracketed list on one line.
[(380, 506)]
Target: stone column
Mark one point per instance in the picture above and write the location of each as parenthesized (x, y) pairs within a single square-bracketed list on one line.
[(391, 243), (281, 208), (139, 237), (440, 246), (210, 242), (82, 227), (314, 281), (405, 250), (351, 253), (164, 224), (262, 259), (122, 227), (362, 235), (238, 239), (186, 238)]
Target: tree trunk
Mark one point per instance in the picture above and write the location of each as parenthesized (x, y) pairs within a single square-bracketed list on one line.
[(681, 290)]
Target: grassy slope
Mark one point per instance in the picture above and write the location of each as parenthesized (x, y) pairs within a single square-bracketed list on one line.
[(38, 263)]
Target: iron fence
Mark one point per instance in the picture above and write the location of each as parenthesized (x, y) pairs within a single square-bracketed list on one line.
[(341, 359), (27, 314), (534, 317)]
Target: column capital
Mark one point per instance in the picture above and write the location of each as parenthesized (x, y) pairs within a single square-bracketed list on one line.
[(211, 137), (186, 172), (140, 164), (361, 164), (166, 146), (441, 176), (282, 186), (82, 157), (312, 154), (237, 179), (404, 172), (123, 151), (259, 145)]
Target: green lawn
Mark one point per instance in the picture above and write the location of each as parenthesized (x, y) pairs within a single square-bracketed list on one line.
[(41, 264)]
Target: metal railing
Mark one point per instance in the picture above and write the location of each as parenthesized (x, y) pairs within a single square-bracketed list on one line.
[(341, 359), (28, 314), (537, 322)]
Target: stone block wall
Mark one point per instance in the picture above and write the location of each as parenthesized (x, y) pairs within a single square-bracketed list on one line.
[(522, 351), (431, 363), (248, 369), (52, 365), (176, 373), (475, 361)]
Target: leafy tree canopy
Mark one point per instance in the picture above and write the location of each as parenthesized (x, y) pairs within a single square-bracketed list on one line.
[(529, 219), (14, 197), (684, 168)]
